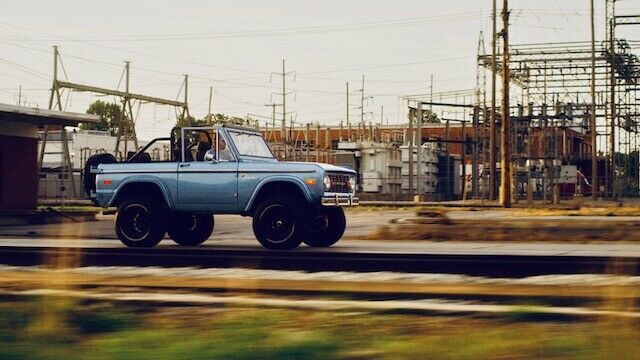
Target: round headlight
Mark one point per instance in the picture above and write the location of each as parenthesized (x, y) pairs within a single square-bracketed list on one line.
[(352, 183), (327, 182)]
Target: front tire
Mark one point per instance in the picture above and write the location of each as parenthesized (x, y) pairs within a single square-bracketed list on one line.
[(279, 223), (190, 229), (328, 228), (141, 222)]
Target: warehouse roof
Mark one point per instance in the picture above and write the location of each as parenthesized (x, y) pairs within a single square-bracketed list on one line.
[(14, 113)]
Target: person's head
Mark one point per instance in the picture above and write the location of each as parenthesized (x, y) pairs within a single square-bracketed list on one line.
[(221, 144), (202, 136)]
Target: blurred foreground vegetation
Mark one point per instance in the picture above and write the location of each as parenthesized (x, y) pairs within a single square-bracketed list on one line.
[(65, 329)]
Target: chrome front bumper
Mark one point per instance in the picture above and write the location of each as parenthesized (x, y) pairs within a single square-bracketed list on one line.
[(340, 200)]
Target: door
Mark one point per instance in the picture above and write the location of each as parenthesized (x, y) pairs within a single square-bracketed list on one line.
[(207, 185)]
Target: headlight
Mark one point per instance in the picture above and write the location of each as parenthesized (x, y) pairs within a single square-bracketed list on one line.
[(352, 183), (327, 182)]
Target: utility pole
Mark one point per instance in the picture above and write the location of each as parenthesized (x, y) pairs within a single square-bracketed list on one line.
[(210, 97), (492, 115), (419, 149), (362, 102), (284, 99), (505, 180), (612, 49), (347, 117), (284, 132), (20, 95), (186, 95), (273, 114), (410, 157), (592, 119)]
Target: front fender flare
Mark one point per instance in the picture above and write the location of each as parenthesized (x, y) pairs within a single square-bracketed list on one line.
[(279, 178)]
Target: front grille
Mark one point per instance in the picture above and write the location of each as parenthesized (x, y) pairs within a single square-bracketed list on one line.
[(339, 183)]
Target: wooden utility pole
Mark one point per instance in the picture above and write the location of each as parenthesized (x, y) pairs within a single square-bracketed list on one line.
[(612, 80), (347, 117), (592, 119), (284, 104), (410, 155), (362, 103), (210, 97), (419, 149), (492, 115), (505, 176)]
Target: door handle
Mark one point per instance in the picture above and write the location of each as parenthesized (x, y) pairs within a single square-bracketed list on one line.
[(185, 164)]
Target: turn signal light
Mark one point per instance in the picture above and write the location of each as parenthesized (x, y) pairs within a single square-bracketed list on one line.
[(310, 181)]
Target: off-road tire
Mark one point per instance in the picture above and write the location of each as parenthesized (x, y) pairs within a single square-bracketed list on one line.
[(280, 222), (327, 229), (189, 229), (141, 221)]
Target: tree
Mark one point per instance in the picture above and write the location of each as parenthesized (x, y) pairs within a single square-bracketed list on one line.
[(428, 116), (214, 119), (110, 114)]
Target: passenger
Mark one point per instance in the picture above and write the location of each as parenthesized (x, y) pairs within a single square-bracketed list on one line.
[(204, 145), (223, 152)]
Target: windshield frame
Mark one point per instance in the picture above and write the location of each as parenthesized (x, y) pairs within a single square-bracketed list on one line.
[(230, 133)]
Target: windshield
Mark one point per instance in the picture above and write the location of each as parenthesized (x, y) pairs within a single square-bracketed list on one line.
[(250, 144)]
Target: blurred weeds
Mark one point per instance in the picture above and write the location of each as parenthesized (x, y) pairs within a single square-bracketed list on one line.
[(118, 331)]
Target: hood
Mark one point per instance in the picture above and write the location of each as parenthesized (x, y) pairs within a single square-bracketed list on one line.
[(323, 166)]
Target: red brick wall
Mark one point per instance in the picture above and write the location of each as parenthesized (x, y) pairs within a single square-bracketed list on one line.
[(18, 173)]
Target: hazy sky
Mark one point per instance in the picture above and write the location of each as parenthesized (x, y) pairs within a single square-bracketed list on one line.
[(235, 45)]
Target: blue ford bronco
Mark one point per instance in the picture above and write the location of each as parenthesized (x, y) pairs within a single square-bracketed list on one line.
[(220, 170)]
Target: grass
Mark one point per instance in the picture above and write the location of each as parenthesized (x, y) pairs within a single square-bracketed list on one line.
[(71, 209), (109, 331)]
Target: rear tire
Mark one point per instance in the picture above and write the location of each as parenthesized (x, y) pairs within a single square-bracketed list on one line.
[(280, 222), (141, 221), (328, 228), (190, 229)]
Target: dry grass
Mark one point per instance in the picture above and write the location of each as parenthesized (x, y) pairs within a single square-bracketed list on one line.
[(443, 230)]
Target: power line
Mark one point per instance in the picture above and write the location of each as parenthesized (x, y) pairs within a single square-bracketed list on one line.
[(370, 25)]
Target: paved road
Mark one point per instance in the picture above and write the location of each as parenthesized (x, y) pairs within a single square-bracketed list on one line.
[(235, 231), (227, 227)]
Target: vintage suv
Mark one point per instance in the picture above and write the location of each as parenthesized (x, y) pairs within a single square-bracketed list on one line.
[(221, 170)]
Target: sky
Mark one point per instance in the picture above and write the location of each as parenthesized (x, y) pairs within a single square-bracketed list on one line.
[(236, 46)]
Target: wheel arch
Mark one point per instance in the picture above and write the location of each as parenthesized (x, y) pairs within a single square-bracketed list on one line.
[(149, 187), (278, 185)]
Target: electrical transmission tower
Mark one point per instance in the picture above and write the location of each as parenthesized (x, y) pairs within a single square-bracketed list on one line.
[(284, 134)]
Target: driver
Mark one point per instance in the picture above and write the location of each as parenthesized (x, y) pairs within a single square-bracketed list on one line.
[(203, 145)]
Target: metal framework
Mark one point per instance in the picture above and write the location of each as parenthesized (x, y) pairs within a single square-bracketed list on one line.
[(553, 92), (126, 128)]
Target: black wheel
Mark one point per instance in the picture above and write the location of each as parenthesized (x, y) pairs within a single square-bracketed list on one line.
[(190, 229), (89, 179), (326, 229), (280, 223), (141, 222)]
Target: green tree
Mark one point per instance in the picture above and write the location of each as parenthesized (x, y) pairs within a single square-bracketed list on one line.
[(110, 114), (214, 119), (428, 116)]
